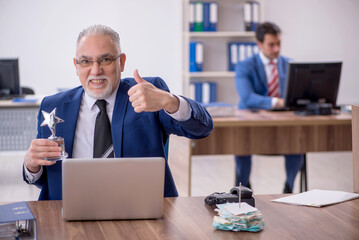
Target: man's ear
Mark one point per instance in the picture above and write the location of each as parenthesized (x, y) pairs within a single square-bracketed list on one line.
[(77, 71), (122, 61), (259, 45)]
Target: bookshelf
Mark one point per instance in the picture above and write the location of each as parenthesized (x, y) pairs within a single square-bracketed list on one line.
[(230, 27)]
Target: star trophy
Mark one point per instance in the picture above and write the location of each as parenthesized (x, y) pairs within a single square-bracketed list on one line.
[(51, 120)]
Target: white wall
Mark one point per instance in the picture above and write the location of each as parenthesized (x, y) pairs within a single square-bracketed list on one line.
[(42, 33), (321, 30)]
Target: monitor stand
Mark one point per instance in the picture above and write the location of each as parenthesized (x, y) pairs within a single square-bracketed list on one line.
[(316, 109)]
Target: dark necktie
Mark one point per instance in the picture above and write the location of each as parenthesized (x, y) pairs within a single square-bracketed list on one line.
[(103, 147)]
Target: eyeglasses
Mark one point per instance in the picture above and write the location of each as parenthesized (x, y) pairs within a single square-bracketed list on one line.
[(105, 61)]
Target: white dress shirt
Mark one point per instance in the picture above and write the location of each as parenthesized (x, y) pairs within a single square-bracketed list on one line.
[(268, 69), (84, 133)]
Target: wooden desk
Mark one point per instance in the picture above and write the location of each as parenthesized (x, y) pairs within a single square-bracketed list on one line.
[(262, 132), (190, 218), (355, 124)]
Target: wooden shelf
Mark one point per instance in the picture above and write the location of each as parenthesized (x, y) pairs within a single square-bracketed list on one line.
[(230, 28)]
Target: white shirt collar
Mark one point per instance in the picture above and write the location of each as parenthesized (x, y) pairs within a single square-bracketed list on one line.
[(90, 102), (266, 60)]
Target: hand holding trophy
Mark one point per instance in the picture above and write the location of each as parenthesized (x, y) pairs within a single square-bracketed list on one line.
[(51, 120)]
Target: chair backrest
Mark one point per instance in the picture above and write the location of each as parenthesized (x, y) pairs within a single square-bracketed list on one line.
[(355, 146), (27, 91)]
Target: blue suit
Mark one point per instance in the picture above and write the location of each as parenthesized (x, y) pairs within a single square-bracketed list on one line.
[(252, 86), (133, 134)]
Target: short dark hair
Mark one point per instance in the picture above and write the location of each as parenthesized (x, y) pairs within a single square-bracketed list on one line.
[(266, 28)]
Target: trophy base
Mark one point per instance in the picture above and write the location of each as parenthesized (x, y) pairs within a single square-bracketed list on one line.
[(62, 157), (60, 141)]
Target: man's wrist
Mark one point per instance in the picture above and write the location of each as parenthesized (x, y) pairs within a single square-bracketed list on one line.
[(33, 169), (172, 104)]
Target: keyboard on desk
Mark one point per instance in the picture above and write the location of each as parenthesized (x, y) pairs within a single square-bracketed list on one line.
[(10, 97), (282, 109)]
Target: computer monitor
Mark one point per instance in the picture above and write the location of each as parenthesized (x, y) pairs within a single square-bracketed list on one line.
[(9, 78), (312, 87)]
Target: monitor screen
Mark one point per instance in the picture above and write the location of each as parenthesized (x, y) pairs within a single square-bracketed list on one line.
[(312, 82), (9, 77)]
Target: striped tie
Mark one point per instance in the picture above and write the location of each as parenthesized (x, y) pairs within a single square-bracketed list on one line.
[(103, 147), (273, 85)]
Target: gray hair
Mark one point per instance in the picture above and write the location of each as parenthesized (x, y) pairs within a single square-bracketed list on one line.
[(100, 30)]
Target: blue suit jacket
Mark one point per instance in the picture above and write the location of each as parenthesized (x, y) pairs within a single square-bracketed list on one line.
[(133, 134), (251, 82)]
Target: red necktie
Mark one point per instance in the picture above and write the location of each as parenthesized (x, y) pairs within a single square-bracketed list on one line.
[(273, 85)]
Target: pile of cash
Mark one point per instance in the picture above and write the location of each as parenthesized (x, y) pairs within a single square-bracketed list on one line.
[(237, 220)]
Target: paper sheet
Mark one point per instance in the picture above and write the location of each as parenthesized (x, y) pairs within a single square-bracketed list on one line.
[(317, 198), (234, 209)]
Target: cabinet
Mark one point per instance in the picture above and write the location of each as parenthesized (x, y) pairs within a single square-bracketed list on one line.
[(230, 28), (18, 123)]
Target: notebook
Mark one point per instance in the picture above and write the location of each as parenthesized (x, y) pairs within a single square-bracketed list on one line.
[(112, 188)]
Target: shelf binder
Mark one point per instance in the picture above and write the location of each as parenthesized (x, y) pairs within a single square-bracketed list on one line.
[(198, 17), (255, 15), (239, 51), (251, 15), (191, 16), (17, 221), (199, 56), (203, 92), (249, 51), (247, 13), (196, 56), (198, 91), (255, 48), (233, 55), (206, 13), (192, 57), (212, 92), (203, 16), (213, 16)]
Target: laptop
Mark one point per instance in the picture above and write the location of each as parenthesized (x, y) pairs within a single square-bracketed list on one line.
[(113, 188)]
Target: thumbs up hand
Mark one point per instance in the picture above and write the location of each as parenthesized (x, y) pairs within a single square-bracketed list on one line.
[(147, 98)]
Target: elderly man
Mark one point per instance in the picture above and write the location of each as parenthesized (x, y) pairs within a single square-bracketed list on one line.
[(141, 113)]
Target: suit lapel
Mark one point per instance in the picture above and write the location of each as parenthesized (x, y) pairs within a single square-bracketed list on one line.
[(118, 116), (281, 76), (261, 71), (71, 110)]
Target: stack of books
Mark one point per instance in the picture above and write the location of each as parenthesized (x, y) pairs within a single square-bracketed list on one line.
[(221, 109), (234, 218)]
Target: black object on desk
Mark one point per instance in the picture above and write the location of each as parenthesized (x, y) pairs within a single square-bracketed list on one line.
[(222, 197)]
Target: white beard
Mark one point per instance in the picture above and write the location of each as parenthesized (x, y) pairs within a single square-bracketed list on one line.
[(104, 93)]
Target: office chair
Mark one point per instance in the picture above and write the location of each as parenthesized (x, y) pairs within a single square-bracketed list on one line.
[(166, 148), (303, 181), (303, 176), (27, 91)]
